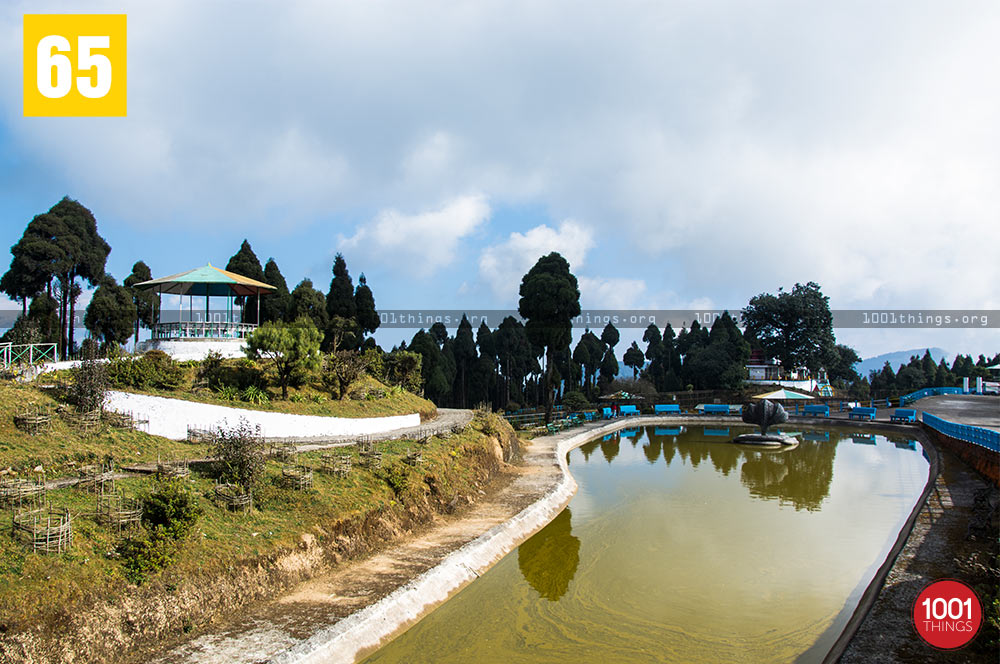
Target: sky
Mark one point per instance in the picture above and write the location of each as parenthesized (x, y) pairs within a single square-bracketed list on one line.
[(679, 154)]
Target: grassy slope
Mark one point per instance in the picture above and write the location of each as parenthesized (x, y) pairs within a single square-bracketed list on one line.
[(60, 449), (37, 589)]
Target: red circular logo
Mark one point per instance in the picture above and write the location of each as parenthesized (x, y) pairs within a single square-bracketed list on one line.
[(947, 614)]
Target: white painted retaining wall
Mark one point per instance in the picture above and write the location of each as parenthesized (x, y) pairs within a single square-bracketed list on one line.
[(170, 418)]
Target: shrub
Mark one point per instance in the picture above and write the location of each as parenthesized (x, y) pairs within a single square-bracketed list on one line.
[(155, 369), (90, 385), (402, 367), (144, 554), (574, 400), (171, 509), (374, 362), (340, 369), (210, 369), (240, 453)]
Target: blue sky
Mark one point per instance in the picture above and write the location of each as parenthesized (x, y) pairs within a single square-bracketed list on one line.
[(679, 154)]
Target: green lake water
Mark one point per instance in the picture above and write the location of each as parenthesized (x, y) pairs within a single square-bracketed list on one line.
[(681, 547)]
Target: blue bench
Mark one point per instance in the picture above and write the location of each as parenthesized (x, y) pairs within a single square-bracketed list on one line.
[(862, 413), (904, 415), (588, 416), (607, 413), (666, 409), (816, 409), (715, 409), (629, 410)]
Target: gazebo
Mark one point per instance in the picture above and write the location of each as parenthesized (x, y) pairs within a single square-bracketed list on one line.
[(206, 282)]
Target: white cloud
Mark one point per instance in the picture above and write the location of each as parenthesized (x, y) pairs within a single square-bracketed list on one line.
[(419, 243), (612, 293), (503, 265)]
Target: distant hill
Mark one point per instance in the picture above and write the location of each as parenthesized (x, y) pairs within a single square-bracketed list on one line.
[(898, 357)]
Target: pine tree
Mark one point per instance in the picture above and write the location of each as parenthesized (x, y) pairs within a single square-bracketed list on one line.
[(610, 335), (275, 305), (465, 356), (364, 302), (245, 263), (634, 358), (145, 301), (307, 301)]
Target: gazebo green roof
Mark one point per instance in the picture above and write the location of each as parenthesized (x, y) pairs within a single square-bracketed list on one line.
[(206, 280)]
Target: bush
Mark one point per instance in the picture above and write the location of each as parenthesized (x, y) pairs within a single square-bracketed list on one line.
[(575, 400), (375, 363), (155, 370), (90, 385), (340, 369), (145, 554), (171, 509), (240, 454), (402, 367), (210, 369)]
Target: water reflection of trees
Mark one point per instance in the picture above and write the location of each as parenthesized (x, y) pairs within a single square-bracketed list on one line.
[(800, 477), (610, 446), (652, 448), (549, 559)]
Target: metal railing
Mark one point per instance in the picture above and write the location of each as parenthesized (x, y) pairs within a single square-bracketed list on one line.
[(11, 354), (202, 330), (976, 435), (927, 392)]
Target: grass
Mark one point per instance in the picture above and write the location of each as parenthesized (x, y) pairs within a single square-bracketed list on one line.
[(42, 589), (63, 448)]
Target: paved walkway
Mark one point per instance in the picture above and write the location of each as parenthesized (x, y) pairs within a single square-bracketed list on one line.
[(976, 410)]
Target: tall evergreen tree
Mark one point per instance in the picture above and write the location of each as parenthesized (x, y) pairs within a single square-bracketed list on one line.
[(111, 313), (340, 297), (610, 336), (82, 254), (145, 301), (245, 263), (465, 356), (439, 333), (609, 368), (435, 382), (309, 302), (550, 299), (275, 306), (634, 358), (364, 303), (514, 357)]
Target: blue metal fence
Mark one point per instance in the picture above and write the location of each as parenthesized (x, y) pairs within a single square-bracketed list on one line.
[(975, 435), (928, 392)]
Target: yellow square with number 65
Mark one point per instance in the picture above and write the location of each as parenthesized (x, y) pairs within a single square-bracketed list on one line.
[(74, 65)]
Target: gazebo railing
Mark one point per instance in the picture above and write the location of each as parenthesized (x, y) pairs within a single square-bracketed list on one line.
[(203, 330), (26, 353)]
